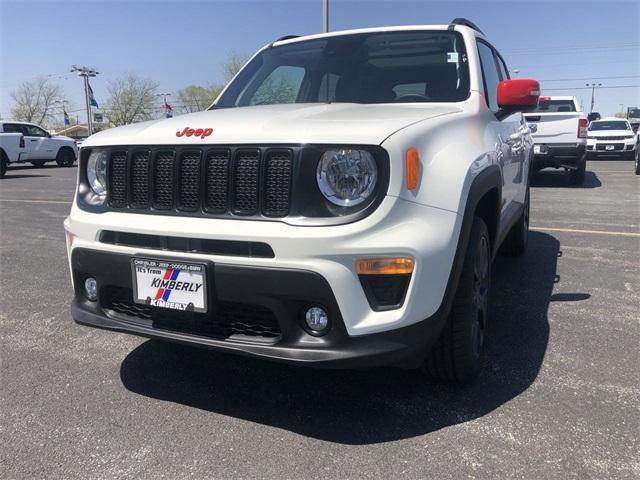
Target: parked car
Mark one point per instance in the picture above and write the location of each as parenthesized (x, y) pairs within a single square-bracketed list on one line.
[(339, 206), (559, 130), (12, 146), (41, 146), (633, 115), (611, 136)]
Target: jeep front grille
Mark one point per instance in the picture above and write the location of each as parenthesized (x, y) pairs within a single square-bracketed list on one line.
[(217, 181)]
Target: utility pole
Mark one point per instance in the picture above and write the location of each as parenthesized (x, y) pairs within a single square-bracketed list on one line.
[(325, 16), (593, 89), (86, 72)]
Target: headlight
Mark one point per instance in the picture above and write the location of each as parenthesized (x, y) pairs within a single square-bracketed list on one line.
[(97, 171), (347, 177)]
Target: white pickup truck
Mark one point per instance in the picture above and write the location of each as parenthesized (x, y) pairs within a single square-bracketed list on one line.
[(559, 129), (12, 147), (41, 146)]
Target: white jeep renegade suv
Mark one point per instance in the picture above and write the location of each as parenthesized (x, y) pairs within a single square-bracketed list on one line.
[(338, 206)]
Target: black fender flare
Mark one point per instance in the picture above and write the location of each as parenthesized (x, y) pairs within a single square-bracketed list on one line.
[(488, 179)]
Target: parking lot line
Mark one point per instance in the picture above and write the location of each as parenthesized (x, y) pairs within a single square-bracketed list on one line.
[(596, 232), (26, 200)]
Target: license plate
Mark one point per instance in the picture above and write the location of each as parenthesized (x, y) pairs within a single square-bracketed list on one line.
[(168, 284), (537, 149), (609, 147)]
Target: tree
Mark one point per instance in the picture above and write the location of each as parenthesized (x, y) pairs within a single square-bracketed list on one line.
[(34, 100), (131, 99), (232, 65), (195, 98)]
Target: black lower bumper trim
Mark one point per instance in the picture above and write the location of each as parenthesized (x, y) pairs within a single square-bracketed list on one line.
[(285, 293)]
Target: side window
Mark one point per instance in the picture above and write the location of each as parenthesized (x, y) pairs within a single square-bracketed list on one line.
[(12, 128), (502, 67), (33, 131), (490, 74), (281, 86)]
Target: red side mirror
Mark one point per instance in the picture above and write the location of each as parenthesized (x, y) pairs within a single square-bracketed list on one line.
[(518, 93)]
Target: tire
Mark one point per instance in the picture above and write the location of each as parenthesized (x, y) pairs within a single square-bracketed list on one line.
[(38, 163), (576, 177), (65, 157), (4, 163), (638, 160), (458, 354), (515, 243)]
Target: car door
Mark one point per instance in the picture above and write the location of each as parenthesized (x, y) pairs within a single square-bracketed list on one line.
[(507, 133), (39, 144)]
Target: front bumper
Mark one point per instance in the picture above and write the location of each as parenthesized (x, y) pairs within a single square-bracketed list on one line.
[(597, 147), (256, 311), (561, 155), (307, 265)]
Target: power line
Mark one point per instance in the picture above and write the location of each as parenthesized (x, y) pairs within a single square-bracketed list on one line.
[(589, 88), (589, 78), (572, 48)]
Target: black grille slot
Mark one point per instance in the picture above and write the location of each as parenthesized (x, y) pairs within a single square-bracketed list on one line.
[(277, 183), (189, 181), (140, 180), (163, 180), (246, 171), (117, 186), (217, 181)]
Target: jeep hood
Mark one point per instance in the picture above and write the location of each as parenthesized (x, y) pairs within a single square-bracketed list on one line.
[(342, 123)]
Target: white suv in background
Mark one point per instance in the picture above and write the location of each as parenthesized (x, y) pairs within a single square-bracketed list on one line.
[(41, 146), (611, 136)]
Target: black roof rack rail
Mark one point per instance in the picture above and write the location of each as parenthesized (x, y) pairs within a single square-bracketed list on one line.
[(285, 37), (466, 23)]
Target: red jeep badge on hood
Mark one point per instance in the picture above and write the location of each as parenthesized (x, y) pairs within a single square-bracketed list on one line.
[(197, 132)]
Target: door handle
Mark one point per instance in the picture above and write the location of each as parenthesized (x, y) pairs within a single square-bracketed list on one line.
[(33, 140)]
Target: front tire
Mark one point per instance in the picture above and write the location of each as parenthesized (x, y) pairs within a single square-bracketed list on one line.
[(638, 160), (4, 163), (457, 355), (65, 157)]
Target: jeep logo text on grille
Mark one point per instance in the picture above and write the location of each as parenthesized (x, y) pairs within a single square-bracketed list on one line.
[(195, 132)]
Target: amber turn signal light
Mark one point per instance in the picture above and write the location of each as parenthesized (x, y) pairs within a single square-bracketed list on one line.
[(384, 266), (412, 162)]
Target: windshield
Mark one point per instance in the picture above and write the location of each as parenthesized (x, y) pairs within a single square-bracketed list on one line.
[(554, 106), (634, 113), (609, 125), (383, 67)]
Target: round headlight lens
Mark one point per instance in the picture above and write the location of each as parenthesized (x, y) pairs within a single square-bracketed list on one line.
[(97, 171), (347, 177)]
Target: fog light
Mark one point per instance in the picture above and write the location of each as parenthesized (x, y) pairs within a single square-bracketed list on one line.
[(91, 289), (317, 319)]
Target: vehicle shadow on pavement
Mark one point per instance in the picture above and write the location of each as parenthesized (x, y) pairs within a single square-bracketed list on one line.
[(370, 406), (559, 179)]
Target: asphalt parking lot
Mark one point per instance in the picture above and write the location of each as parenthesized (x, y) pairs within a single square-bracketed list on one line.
[(559, 396)]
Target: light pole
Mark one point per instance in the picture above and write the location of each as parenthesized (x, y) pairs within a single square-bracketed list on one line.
[(593, 89), (86, 72), (325, 16)]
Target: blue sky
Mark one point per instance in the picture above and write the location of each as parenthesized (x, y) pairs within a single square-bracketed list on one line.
[(176, 43)]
